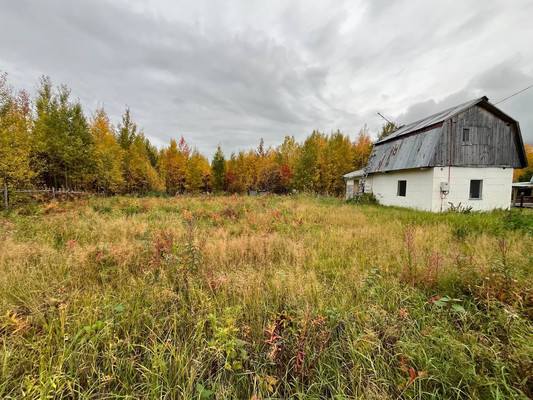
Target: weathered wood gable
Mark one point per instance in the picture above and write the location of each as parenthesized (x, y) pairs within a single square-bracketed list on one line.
[(491, 141), (494, 139)]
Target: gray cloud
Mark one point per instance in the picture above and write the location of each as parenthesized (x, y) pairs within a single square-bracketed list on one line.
[(497, 83), (232, 72)]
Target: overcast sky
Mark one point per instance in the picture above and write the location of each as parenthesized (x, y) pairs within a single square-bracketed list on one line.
[(231, 72)]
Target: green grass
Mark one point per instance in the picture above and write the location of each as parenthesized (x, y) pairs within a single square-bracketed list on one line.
[(269, 297)]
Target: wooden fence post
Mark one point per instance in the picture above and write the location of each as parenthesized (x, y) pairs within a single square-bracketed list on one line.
[(53, 192), (6, 198)]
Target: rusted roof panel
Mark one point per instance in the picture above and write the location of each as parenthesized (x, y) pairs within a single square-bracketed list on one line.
[(431, 120), (411, 151)]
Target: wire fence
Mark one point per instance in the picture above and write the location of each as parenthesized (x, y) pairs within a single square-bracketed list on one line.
[(49, 193)]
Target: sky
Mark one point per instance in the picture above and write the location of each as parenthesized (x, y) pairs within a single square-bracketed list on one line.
[(231, 72)]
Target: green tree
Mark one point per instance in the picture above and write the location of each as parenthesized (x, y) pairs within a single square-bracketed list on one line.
[(64, 143), (138, 173), (387, 129), (127, 130), (218, 170)]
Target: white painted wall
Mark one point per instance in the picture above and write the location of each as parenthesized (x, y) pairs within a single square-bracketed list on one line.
[(368, 184), (423, 188), (419, 188), (496, 191)]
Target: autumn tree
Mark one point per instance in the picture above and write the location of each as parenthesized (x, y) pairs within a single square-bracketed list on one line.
[(199, 172), (56, 145), (174, 168), (138, 173), (525, 174), (108, 155), (286, 156), (237, 174), (339, 156), (306, 172), (362, 148), (15, 136), (270, 178)]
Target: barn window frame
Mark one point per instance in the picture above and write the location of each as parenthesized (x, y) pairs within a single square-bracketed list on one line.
[(476, 193), (402, 188), (466, 135)]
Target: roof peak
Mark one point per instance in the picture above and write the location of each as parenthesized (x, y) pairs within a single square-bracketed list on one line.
[(432, 119)]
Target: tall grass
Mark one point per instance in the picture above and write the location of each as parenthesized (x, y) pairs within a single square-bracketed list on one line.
[(271, 297)]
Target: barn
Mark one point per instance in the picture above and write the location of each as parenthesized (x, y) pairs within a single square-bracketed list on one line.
[(465, 154)]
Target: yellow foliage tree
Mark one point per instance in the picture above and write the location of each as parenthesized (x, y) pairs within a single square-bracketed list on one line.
[(199, 172), (108, 154), (362, 148), (525, 174), (139, 174), (15, 136), (174, 168)]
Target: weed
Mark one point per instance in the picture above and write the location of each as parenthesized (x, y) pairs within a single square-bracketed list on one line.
[(459, 208), (272, 297)]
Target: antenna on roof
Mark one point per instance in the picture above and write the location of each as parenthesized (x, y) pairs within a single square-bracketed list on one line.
[(381, 115)]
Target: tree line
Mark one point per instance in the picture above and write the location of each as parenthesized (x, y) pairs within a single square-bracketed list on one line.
[(49, 140)]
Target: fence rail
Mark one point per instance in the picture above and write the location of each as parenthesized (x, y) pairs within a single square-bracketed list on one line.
[(55, 192)]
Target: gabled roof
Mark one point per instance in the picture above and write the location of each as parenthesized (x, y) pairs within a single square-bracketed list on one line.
[(414, 145), (354, 174), (432, 120)]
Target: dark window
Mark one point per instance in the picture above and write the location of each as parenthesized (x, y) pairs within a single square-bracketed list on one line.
[(402, 188), (466, 135), (476, 188)]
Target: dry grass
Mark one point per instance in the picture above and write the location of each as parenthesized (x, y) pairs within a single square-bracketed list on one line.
[(276, 297)]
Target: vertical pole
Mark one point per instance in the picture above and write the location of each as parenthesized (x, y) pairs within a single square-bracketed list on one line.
[(522, 200), (53, 192), (6, 198)]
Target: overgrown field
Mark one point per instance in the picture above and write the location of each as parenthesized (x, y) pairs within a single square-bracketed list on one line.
[(271, 297)]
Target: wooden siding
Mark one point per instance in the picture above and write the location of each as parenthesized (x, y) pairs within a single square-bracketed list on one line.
[(492, 141)]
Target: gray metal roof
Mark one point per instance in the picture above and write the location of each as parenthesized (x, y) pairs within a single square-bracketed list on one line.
[(431, 120), (354, 174), (524, 184), (414, 151)]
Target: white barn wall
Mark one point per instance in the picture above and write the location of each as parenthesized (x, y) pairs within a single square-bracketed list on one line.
[(496, 188), (368, 184), (418, 193), (423, 188)]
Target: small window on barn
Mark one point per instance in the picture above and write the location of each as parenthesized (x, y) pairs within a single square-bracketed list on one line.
[(476, 189), (402, 188), (466, 135)]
